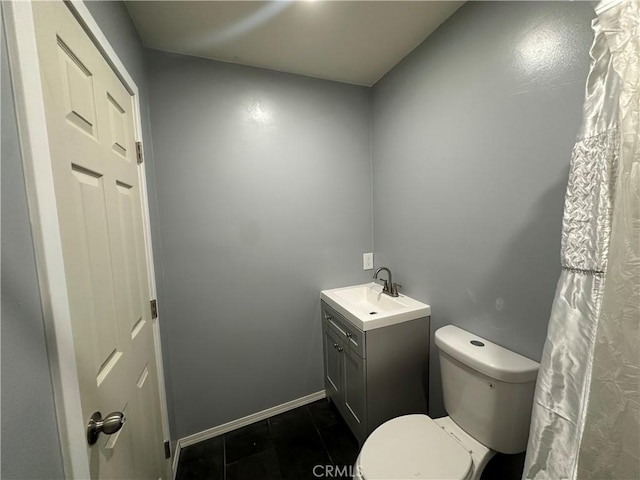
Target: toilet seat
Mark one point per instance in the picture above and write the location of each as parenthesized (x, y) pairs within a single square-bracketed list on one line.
[(413, 447)]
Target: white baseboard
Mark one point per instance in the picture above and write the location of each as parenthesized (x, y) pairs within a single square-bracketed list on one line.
[(244, 421)]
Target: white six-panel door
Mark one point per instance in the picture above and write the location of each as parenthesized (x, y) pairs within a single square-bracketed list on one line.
[(90, 123)]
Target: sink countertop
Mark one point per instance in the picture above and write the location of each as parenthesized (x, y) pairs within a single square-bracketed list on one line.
[(367, 308)]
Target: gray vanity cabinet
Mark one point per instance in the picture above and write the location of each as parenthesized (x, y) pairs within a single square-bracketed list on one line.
[(376, 375)]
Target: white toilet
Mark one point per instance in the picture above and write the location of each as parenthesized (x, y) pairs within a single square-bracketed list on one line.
[(488, 394)]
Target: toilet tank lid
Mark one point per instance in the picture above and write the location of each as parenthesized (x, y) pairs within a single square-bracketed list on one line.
[(486, 357)]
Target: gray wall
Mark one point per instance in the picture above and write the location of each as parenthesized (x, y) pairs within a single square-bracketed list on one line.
[(472, 136), (264, 195), (27, 393), (31, 449)]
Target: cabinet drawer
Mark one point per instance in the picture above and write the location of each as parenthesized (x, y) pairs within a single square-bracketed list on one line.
[(352, 335)]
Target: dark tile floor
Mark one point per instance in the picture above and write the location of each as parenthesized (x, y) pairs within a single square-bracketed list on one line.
[(285, 447)]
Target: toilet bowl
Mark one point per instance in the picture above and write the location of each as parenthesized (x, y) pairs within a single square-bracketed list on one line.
[(488, 393)]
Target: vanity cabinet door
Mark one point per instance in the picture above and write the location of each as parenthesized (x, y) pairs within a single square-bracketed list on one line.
[(334, 365), (354, 394), (345, 370)]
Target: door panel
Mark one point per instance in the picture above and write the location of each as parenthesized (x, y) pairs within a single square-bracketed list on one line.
[(333, 365), (354, 386), (354, 390), (90, 122)]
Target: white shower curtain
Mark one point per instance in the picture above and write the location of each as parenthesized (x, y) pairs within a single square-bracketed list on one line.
[(586, 421)]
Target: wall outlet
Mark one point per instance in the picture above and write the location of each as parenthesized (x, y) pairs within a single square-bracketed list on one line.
[(367, 261)]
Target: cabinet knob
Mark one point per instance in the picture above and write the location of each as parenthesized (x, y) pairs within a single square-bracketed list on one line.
[(335, 345), (340, 348), (327, 316), (349, 335)]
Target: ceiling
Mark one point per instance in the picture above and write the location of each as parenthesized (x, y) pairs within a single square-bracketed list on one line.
[(354, 41)]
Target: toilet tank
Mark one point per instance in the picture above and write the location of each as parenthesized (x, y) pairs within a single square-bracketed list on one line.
[(488, 390)]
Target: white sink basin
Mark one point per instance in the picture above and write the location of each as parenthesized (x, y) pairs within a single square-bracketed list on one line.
[(367, 307)]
